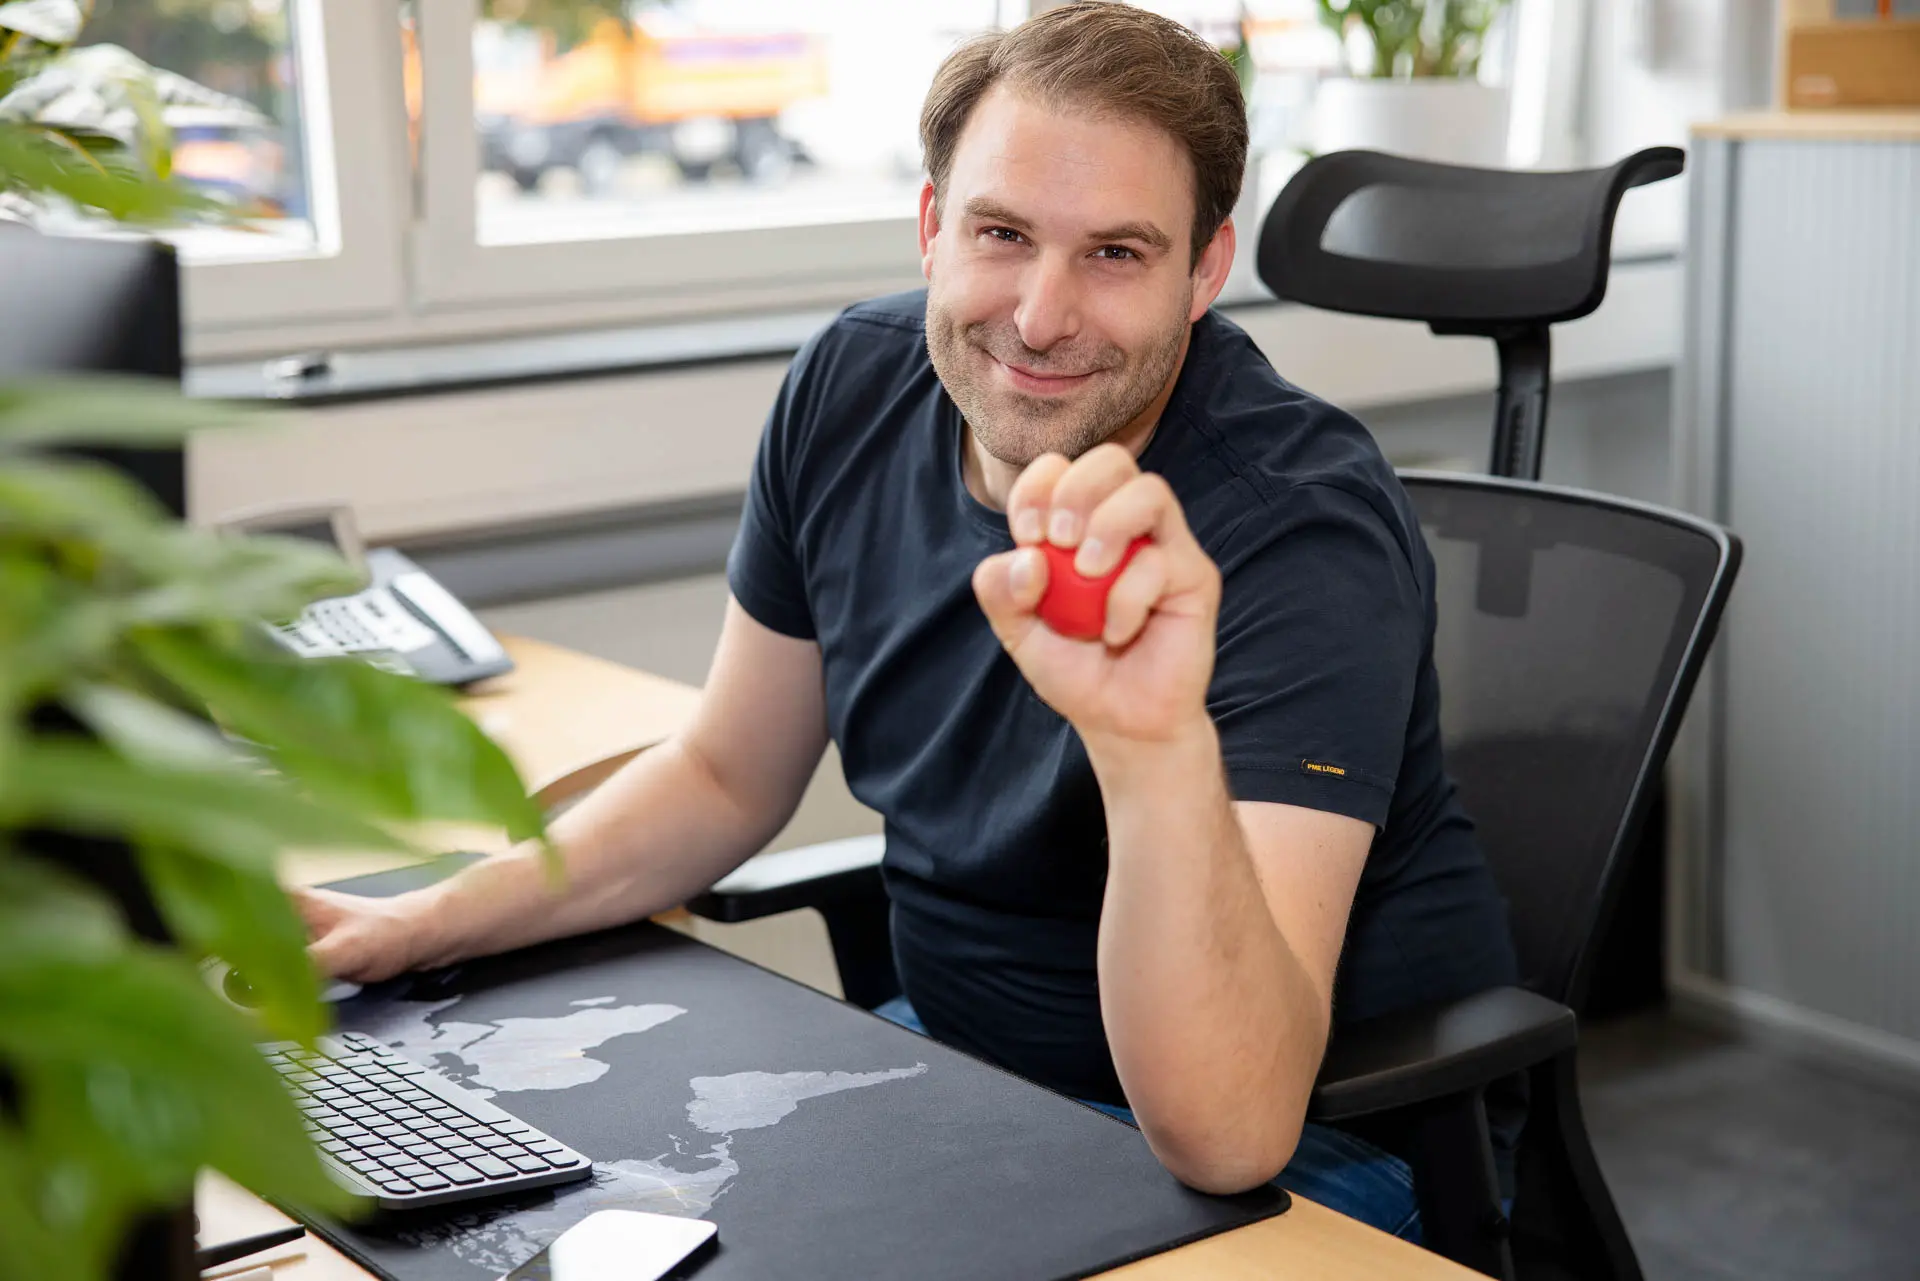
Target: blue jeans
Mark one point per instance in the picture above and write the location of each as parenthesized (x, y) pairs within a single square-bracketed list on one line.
[(1330, 1167)]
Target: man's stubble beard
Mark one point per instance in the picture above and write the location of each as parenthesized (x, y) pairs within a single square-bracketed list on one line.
[(1015, 428)]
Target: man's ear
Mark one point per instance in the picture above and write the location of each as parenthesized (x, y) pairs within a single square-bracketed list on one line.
[(929, 227), (1210, 273)]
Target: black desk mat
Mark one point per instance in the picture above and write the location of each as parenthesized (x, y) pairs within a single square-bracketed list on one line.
[(825, 1142)]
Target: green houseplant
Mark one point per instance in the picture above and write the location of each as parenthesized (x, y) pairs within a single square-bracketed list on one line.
[(125, 637), (1415, 87), (85, 128)]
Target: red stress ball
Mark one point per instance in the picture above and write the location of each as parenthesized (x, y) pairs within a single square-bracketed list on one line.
[(1074, 605)]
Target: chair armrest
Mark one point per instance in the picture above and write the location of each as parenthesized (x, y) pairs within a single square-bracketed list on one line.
[(811, 876), (1414, 1056)]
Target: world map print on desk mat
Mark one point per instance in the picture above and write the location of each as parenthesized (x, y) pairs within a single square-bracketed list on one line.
[(823, 1141)]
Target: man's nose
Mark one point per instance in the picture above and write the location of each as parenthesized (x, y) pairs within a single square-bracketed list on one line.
[(1049, 308)]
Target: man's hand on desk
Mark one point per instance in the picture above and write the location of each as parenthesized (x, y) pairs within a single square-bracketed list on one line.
[(362, 939)]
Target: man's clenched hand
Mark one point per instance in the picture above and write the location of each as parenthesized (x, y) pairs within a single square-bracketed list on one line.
[(1145, 680)]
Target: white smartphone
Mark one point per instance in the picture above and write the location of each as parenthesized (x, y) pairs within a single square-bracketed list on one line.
[(622, 1245)]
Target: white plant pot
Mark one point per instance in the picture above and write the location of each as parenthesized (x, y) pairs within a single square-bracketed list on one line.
[(1460, 122)]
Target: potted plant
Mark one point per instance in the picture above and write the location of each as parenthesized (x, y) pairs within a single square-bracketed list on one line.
[(1414, 88), (126, 638), (157, 753)]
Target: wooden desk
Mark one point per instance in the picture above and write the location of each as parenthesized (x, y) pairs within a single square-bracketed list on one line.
[(569, 721)]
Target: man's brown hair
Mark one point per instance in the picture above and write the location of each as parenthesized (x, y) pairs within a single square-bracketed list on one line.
[(1108, 58)]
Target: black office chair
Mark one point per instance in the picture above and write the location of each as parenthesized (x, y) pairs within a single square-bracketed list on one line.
[(1572, 629), (1495, 252)]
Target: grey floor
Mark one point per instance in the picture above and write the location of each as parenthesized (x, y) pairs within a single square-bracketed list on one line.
[(1731, 1160)]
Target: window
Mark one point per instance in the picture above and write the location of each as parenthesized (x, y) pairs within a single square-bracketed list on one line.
[(698, 157), (474, 168), (244, 92), (233, 106), (711, 116)]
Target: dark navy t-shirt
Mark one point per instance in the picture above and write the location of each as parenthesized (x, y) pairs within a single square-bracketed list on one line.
[(859, 532)]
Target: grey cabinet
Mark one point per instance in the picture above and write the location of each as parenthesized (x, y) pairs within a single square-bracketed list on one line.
[(1797, 423)]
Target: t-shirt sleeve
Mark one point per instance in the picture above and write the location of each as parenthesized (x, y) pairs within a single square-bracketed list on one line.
[(1323, 631), (764, 568)]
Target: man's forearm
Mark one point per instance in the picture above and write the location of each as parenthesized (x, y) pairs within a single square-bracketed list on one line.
[(1214, 1024), (659, 831)]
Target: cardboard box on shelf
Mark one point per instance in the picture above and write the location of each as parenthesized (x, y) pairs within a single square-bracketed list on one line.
[(1840, 57)]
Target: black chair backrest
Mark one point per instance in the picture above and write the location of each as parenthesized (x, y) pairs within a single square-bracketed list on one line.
[(1571, 629), (1466, 250)]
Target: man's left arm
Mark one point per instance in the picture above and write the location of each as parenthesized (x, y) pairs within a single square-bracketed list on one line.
[(1219, 938), (1223, 922)]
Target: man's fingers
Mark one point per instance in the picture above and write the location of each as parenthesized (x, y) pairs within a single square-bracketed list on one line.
[(1133, 595), (1008, 586), (313, 907), (1032, 493), (1094, 476), (1144, 507)]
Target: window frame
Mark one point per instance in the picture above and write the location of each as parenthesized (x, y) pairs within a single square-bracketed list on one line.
[(687, 274), (355, 269)]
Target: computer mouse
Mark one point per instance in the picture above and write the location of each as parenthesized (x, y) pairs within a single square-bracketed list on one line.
[(236, 988), (1073, 604)]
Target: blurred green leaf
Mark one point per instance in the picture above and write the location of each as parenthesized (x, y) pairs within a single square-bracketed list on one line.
[(31, 162), (128, 1065), (107, 409), (149, 732), (43, 907), (246, 920), (384, 744), (208, 577), (243, 819), (48, 630), (28, 1247)]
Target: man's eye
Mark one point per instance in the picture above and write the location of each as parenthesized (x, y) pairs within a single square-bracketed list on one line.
[(1005, 235), (1114, 253)]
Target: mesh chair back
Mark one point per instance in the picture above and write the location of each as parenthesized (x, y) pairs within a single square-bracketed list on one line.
[(1571, 629), (1466, 250)]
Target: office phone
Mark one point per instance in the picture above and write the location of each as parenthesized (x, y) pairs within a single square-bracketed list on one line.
[(402, 620)]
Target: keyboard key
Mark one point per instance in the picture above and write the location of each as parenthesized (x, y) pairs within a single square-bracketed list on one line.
[(495, 1142), (418, 1148), (364, 1140), (441, 1112), (545, 1146), (466, 1151), (330, 1094), (430, 1182), (491, 1168), (439, 1132), (382, 1150), (407, 1116), (511, 1126), (527, 1163), (338, 1147), (412, 1095), (559, 1160), (411, 1171), (398, 1187), (391, 1132), (473, 1130), (461, 1173), (438, 1159)]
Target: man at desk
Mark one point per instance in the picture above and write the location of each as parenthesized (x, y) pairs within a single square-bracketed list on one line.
[(1123, 868)]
